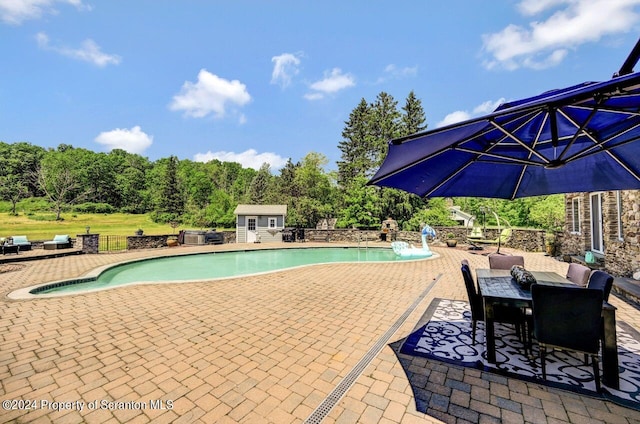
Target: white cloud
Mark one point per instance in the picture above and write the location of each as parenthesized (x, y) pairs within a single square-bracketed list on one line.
[(284, 68), (463, 115), (332, 82), (453, 118), (313, 96), (248, 159), (395, 72), (132, 140), (15, 12), (88, 52), (488, 106), (210, 95), (392, 72), (568, 24)]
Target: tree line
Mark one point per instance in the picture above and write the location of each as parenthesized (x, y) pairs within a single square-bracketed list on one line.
[(206, 194)]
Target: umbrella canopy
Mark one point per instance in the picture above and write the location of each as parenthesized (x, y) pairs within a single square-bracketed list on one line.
[(580, 138)]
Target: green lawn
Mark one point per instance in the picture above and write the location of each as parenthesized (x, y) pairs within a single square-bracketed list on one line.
[(42, 226)]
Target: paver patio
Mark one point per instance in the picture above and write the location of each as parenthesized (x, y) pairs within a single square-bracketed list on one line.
[(266, 348)]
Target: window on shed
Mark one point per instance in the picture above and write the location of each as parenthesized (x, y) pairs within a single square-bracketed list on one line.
[(273, 222)]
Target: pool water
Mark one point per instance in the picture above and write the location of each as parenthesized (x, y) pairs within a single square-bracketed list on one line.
[(207, 266)]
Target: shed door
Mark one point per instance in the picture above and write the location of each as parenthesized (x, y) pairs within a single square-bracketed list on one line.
[(252, 229)]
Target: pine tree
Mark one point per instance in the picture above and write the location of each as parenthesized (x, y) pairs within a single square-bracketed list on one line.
[(413, 119), (259, 189), (356, 138), (171, 202), (385, 119)]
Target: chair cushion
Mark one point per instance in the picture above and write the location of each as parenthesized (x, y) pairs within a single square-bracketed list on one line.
[(20, 240), (498, 261), (61, 238)]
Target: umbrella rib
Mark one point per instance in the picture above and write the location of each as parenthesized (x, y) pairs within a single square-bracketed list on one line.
[(578, 132), (524, 168), (615, 157), (498, 156), (606, 149), (610, 109), (517, 140), (599, 146)]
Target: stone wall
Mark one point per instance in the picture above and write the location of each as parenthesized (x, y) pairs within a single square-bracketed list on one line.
[(146, 242), (155, 241), (523, 239)]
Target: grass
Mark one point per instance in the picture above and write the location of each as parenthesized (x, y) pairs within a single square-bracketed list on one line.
[(43, 226)]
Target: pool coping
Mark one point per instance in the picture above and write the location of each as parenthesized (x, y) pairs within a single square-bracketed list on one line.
[(33, 292)]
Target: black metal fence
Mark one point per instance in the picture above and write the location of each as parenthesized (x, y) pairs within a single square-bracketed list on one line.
[(112, 243)]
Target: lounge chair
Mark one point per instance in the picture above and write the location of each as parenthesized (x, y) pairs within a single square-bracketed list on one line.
[(58, 242), (21, 241), (476, 234)]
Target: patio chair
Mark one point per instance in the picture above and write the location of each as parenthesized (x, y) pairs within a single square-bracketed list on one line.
[(578, 274), (498, 261), (602, 281), (568, 318), (21, 241), (58, 242), (504, 314)]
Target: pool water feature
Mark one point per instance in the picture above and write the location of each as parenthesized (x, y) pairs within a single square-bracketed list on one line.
[(214, 265)]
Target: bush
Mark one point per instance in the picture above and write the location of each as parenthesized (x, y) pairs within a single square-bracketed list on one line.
[(33, 204), (49, 217), (90, 207), (164, 217)]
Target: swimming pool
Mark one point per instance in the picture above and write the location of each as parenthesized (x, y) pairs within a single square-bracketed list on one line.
[(211, 266)]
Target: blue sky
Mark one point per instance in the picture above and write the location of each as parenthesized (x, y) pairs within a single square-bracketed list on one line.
[(264, 81)]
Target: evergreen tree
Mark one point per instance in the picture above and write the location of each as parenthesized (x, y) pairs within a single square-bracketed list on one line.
[(259, 189), (356, 138), (385, 126), (413, 118), (171, 202)]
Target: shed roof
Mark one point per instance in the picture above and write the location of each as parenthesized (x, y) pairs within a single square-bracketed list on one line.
[(261, 210)]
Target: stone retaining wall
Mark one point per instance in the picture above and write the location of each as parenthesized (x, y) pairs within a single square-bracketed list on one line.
[(155, 241), (523, 239)]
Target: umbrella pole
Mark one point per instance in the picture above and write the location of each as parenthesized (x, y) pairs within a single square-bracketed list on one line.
[(499, 230), (632, 59)]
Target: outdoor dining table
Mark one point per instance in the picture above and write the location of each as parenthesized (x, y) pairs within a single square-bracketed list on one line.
[(497, 287)]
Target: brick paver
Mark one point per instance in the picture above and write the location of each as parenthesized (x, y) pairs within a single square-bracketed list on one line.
[(266, 348)]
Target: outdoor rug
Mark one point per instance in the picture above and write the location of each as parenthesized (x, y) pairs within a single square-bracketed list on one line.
[(445, 335)]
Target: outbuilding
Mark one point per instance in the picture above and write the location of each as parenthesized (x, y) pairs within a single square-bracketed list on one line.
[(260, 223)]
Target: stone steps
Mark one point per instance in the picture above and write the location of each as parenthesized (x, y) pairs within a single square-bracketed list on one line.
[(627, 289)]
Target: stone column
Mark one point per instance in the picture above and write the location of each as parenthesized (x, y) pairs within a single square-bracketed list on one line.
[(89, 243)]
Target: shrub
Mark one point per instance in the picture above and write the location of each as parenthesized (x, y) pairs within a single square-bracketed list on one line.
[(33, 204), (90, 207), (48, 217)]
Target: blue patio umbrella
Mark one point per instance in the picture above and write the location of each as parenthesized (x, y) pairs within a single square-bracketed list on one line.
[(575, 139)]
